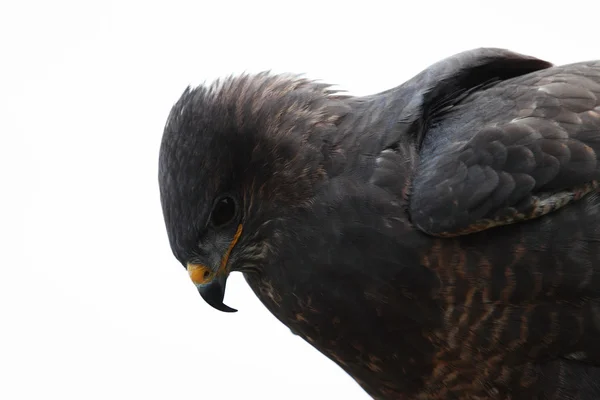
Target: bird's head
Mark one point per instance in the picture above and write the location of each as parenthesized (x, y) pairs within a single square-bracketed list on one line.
[(237, 158)]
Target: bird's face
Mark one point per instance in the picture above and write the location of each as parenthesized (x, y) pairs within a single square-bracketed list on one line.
[(204, 196), (236, 159), (209, 267)]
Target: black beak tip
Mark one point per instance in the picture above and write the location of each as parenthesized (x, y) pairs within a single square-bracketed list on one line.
[(214, 293), (224, 307)]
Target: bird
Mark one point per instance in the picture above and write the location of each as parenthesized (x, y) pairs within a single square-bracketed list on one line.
[(436, 240)]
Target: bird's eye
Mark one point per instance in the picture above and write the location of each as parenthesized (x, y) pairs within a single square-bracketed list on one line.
[(223, 212)]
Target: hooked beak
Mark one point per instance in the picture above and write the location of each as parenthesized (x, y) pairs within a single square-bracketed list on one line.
[(214, 292), (210, 284)]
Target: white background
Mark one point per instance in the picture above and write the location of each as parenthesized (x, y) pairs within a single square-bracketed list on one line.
[(92, 303)]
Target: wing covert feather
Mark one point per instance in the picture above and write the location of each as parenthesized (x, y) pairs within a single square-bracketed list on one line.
[(517, 150)]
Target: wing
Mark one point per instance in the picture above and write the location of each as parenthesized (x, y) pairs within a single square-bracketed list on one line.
[(516, 150), (402, 114)]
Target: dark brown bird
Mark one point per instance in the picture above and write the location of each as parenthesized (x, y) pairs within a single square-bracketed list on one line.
[(439, 240)]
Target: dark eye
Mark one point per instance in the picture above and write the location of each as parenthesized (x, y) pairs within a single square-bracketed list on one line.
[(223, 212)]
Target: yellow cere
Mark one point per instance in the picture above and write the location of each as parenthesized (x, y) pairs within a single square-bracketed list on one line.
[(199, 273)]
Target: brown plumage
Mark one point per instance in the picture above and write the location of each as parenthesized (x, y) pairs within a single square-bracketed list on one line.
[(439, 240)]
